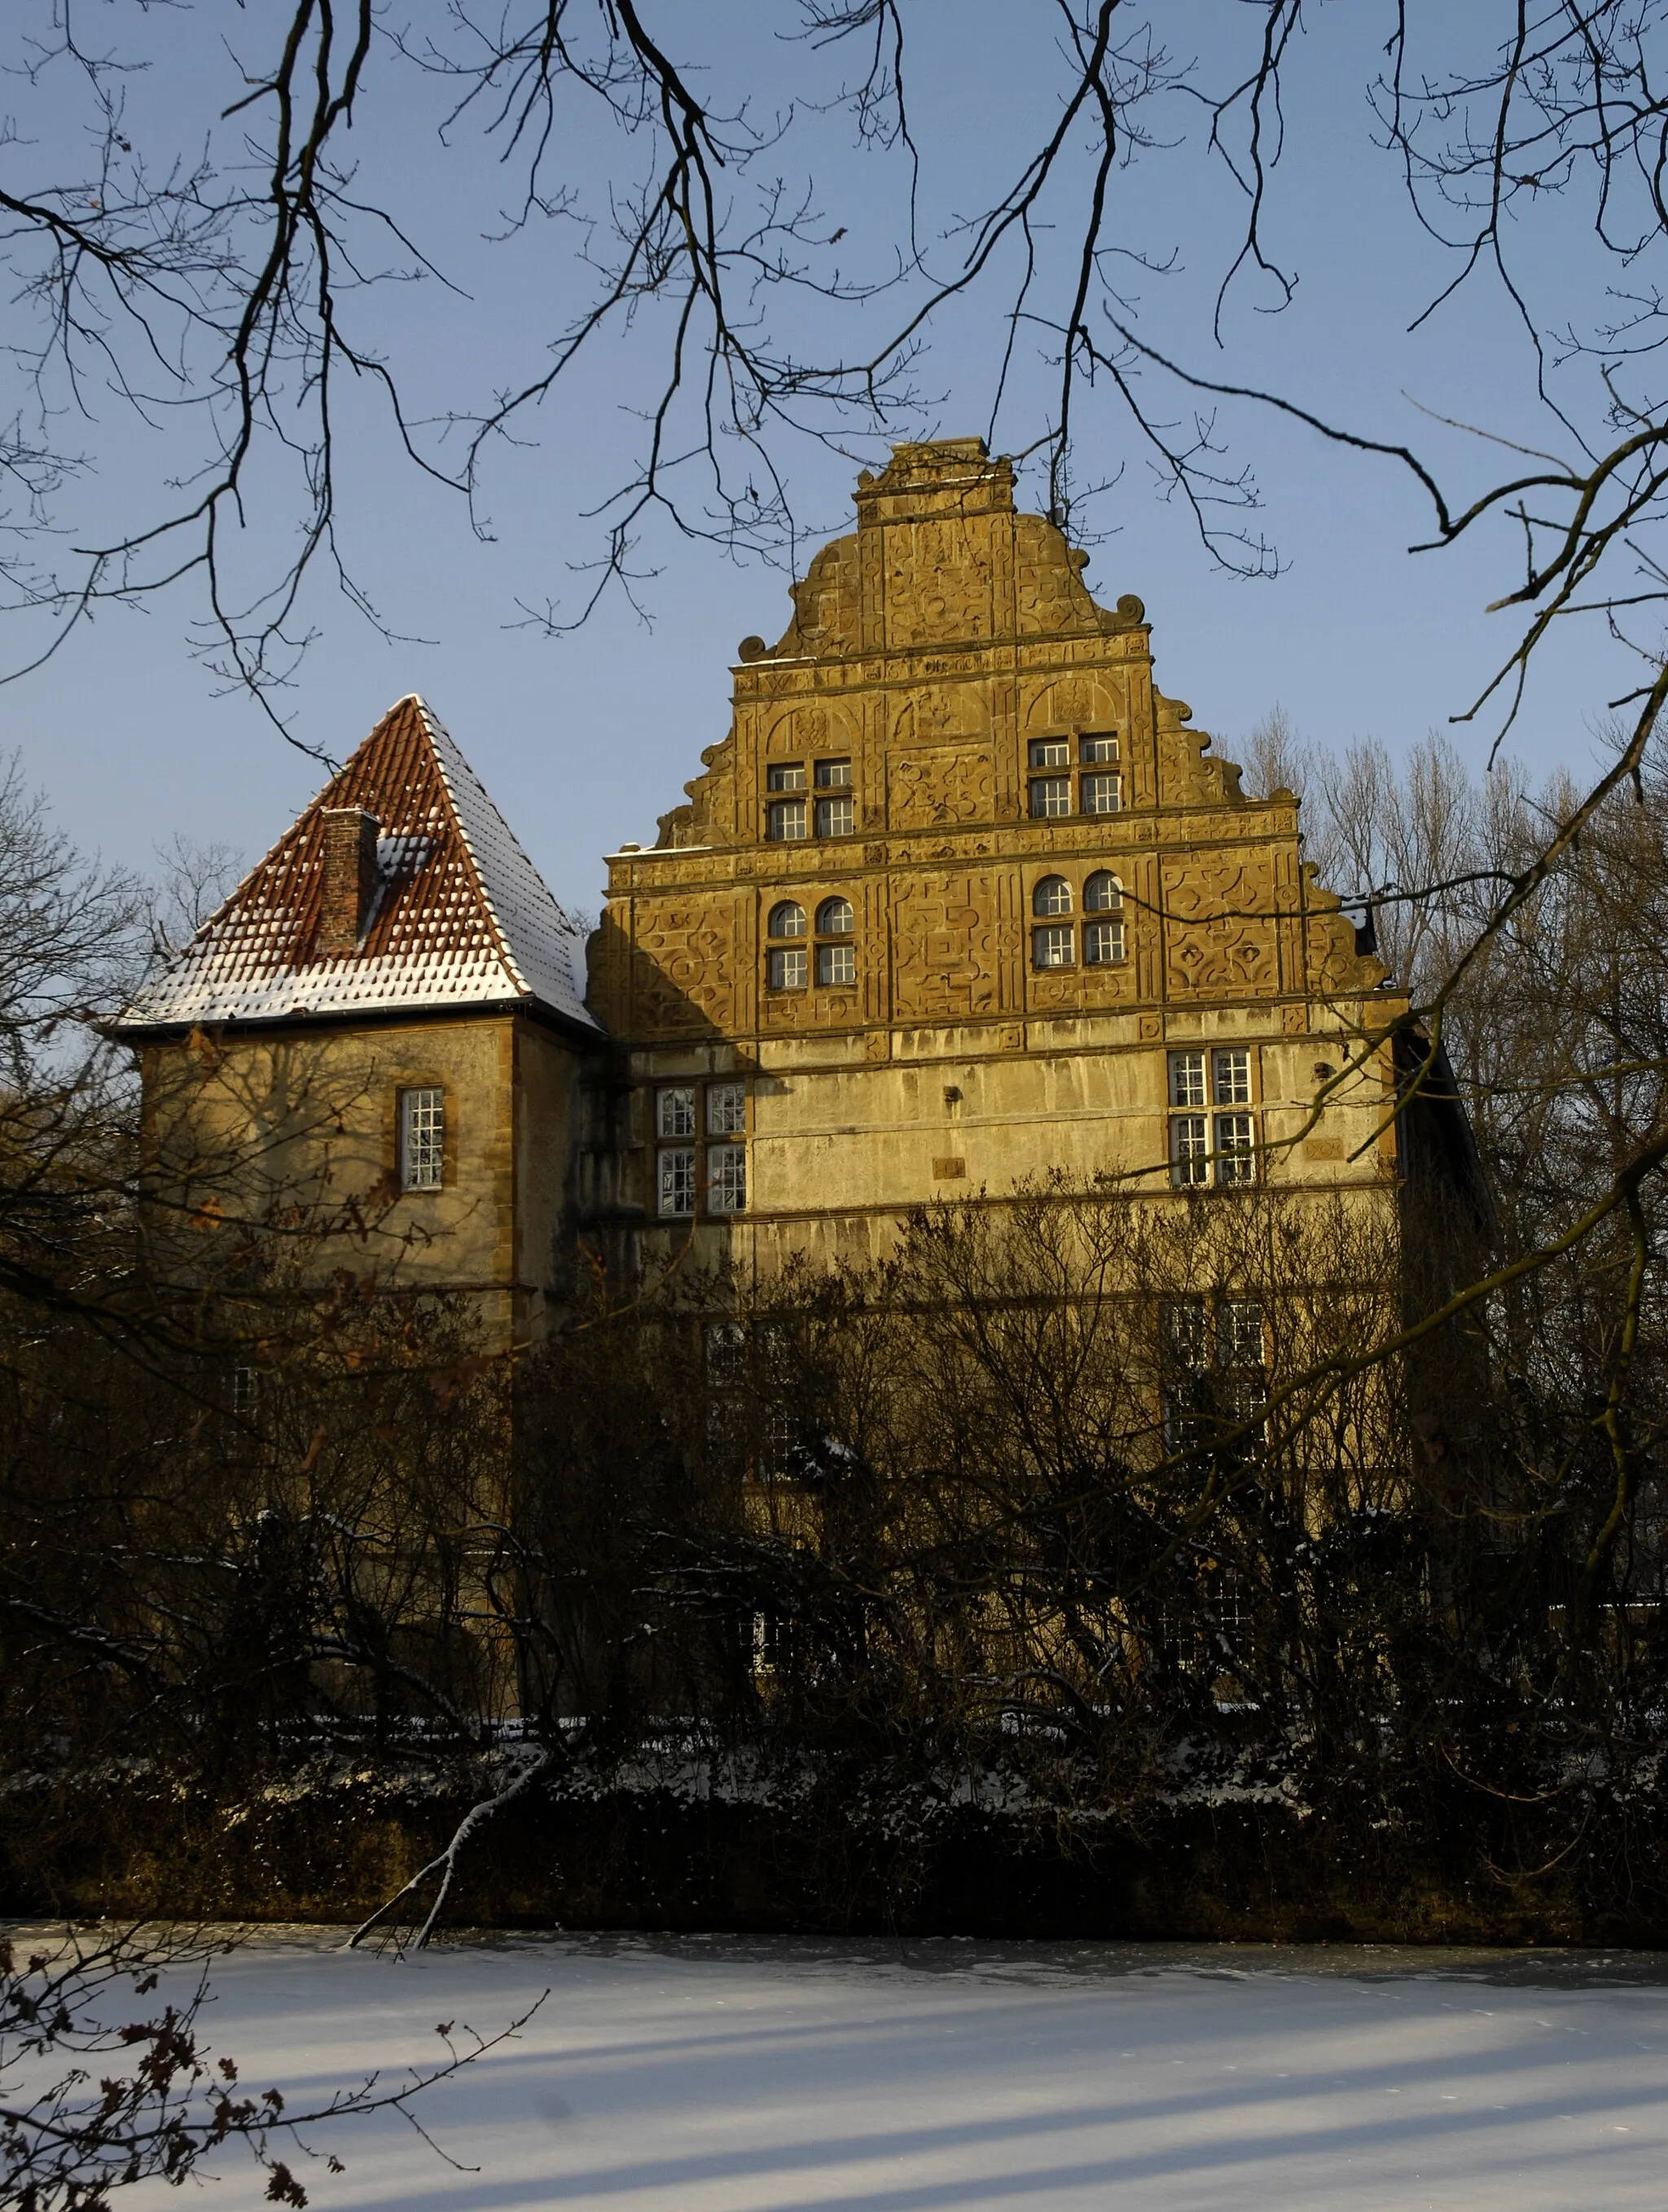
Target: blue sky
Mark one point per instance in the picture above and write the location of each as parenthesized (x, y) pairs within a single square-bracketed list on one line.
[(583, 739)]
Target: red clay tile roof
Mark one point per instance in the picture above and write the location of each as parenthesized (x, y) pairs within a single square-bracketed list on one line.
[(460, 917)]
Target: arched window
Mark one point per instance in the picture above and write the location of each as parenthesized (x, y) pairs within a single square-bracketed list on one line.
[(837, 959), (1051, 896), (785, 964), (1103, 937)]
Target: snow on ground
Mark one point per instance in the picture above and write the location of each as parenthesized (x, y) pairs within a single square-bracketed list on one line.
[(729, 2074)]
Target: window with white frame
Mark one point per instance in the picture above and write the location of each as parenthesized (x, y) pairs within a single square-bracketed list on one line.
[(785, 963), (1189, 1151), (1053, 940), (1187, 1078), (705, 1165), (1212, 1361), (836, 814), (836, 955), (727, 1354), (677, 1181), (1230, 1072), (674, 1111), (785, 818), (422, 1138), (1235, 1149), (727, 1109), (727, 1178), (1103, 942), (1206, 1148)]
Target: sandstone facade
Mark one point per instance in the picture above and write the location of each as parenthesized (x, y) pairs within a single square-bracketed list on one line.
[(962, 900)]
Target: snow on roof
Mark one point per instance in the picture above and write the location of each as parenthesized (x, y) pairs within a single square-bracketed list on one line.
[(461, 916)]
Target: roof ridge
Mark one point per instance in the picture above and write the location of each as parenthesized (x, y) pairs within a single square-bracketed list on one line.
[(442, 740)]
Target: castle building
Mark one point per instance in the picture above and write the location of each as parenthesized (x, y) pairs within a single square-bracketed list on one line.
[(960, 902)]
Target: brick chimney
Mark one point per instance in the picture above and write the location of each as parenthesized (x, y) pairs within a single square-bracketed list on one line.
[(349, 881)]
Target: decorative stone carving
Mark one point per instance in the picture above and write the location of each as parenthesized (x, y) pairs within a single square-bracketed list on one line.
[(681, 978), (1219, 926), (941, 784), (944, 947)]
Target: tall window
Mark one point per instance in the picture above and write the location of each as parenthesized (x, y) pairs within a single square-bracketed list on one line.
[(836, 813), (1100, 789), (784, 964), (785, 818), (422, 1139), (676, 1192), (1211, 1148), (727, 1178), (836, 956), (1102, 926), (1212, 1364), (701, 1157), (1051, 940)]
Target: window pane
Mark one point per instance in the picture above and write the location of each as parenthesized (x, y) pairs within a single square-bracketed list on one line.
[(836, 818), (1101, 745), (727, 1109), (1102, 944), (727, 1352), (1239, 1332), (678, 1180), (784, 776), (1051, 896), (784, 820), (422, 1139), (1231, 1070), (1102, 893), (1050, 752), (785, 971), (1187, 1078), (727, 1178), (1051, 947), (1049, 796), (834, 775), (674, 1113), (1102, 794), (837, 964), (1235, 1162), (1185, 1330), (786, 921), (834, 918), (1188, 1163)]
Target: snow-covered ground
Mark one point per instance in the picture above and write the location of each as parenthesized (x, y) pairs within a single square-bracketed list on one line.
[(733, 2074)]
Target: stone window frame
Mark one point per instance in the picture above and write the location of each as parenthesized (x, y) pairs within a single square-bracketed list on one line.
[(410, 1083), (821, 805), (1073, 920), (1213, 1097), (1089, 758), (810, 953), (700, 1150), (1212, 1363)]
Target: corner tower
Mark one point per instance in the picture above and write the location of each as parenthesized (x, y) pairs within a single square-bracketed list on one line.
[(962, 900)]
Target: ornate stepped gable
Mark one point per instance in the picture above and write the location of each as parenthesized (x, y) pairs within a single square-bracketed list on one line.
[(457, 914), (930, 648)]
